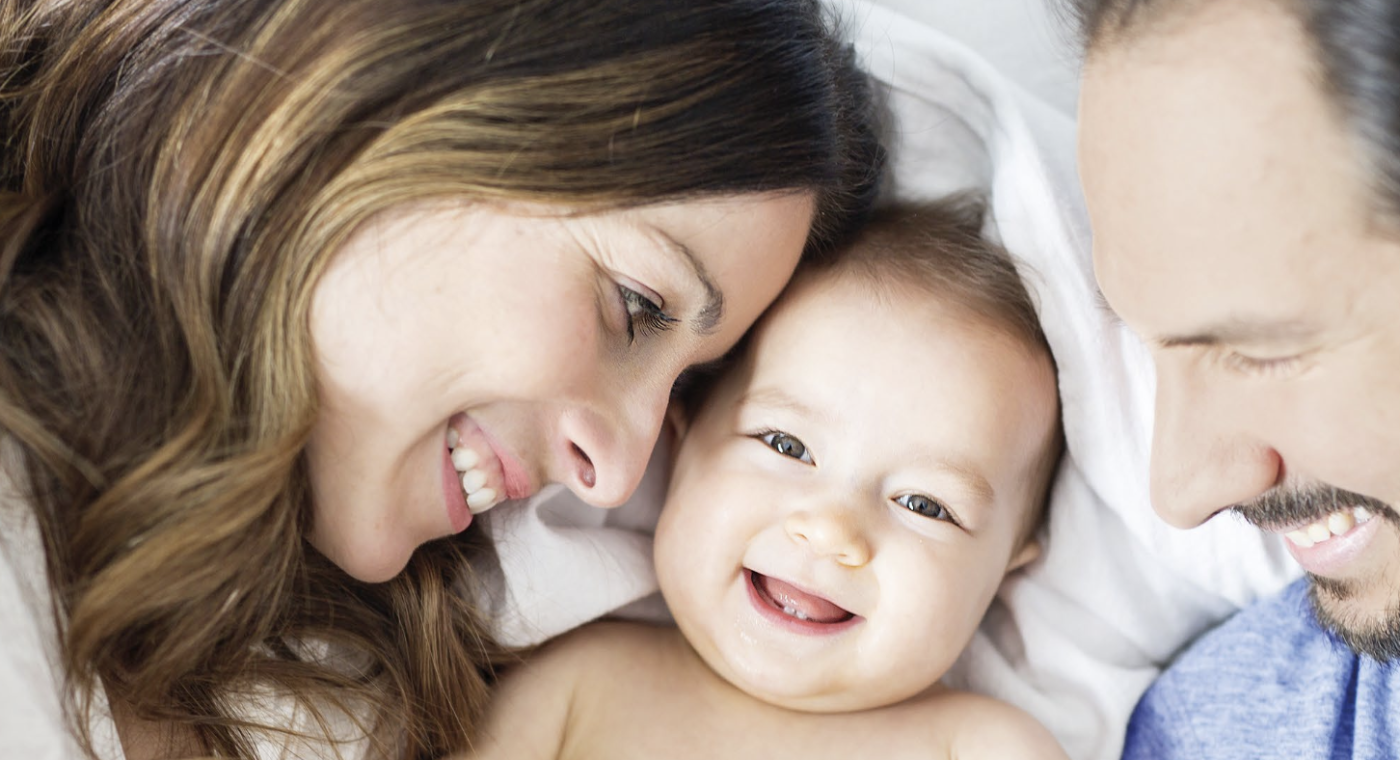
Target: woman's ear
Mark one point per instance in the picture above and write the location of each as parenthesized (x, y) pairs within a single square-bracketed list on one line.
[(1024, 556)]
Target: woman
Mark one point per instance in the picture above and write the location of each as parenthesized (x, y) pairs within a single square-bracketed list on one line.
[(289, 289)]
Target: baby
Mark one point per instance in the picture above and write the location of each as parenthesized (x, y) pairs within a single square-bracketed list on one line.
[(845, 501)]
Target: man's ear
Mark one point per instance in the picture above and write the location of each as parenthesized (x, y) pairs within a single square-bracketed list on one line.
[(1024, 556)]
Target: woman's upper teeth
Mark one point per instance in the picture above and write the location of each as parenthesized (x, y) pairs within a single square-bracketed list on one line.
[(465, 460), (1335, 524)]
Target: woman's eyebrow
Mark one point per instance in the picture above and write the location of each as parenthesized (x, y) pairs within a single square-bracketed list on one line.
[(712, 311)]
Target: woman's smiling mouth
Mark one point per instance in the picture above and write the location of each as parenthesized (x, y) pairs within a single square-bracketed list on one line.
[(478, 473)]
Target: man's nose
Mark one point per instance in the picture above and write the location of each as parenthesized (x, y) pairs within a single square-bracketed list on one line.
[(830, 530), (1205, 456), (611, 439)]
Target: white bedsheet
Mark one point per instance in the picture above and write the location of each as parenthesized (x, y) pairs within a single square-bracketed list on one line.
[(1078, 636)]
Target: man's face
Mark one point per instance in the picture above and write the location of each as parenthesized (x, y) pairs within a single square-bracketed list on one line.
[(1235, 233)]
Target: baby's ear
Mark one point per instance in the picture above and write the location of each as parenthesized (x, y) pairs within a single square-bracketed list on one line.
[(677, 420), (674, 428), (1024, 556)]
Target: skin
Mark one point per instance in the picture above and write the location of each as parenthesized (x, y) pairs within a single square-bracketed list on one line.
[(515, 315), (611, 690), (1236, 234), (930, 405), (726, 685)]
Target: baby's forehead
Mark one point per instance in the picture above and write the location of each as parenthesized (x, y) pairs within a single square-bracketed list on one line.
[(837, 336), (895, 305), (834, 329)]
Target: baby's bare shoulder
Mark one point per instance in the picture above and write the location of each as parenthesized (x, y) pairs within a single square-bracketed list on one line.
[(612, 647), (548, 703), (983, 727)]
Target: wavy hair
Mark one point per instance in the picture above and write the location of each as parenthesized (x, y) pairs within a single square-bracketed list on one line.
[(174, 176)]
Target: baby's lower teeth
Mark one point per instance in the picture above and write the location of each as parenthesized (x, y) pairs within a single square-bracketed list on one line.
[(794, 612)]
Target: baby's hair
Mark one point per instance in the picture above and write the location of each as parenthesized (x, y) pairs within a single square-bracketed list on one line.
[(939, 248)]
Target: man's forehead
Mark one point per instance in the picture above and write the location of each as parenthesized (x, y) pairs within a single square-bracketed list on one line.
[(1214, 180)]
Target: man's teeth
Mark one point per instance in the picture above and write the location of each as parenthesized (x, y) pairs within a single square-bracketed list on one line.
[(1335, 524), (465, 461)]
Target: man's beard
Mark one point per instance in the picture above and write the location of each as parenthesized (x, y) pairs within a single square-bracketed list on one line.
[(1378, 638), (1289, 505)]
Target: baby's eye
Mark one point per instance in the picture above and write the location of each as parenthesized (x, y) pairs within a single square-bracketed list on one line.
[(787, 445), (926, 506)]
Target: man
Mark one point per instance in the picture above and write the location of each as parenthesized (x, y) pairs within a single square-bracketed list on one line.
[(1241, 164)]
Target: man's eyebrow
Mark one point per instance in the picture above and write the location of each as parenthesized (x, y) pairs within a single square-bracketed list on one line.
[(1233, 330), (1237, 330), (712, 311)]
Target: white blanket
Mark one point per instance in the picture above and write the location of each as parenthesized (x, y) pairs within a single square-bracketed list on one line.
[(1077, 637)]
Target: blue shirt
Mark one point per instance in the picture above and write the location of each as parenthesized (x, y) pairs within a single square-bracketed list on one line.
[(1269, 683)]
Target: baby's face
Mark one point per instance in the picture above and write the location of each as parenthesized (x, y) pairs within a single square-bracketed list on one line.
[(845, 505)]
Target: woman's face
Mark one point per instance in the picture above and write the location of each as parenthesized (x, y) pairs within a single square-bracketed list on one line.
[(471, 353)]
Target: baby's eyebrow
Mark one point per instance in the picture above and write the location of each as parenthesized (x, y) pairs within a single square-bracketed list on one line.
[(777, 398), (971, 479)]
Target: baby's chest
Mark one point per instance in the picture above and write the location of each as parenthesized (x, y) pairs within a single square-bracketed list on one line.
[(682, 725)]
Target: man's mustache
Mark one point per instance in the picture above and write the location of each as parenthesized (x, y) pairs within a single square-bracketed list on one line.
[(1289, 505)]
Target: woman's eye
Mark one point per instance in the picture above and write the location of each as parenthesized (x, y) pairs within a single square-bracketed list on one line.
[(787, 445), (925, 506), (643, 315)]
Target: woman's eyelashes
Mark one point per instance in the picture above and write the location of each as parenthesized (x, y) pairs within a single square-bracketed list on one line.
[(787, 445), (643, 314), (925, 506)]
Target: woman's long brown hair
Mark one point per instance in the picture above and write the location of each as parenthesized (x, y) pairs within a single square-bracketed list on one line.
[(175, 174)]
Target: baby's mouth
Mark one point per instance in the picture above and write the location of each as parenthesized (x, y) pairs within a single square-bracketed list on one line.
[(796, 603)]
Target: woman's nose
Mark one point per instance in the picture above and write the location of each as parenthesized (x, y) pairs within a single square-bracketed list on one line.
[(1205, 457), (611, 443), (830, 531)]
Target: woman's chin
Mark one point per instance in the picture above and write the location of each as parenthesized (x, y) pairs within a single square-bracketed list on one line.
[(370, 561)]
